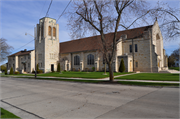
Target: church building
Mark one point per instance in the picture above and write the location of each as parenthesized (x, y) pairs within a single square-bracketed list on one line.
[(140, 48)]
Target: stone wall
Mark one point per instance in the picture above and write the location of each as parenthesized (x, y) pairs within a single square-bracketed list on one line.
[(142, 56)]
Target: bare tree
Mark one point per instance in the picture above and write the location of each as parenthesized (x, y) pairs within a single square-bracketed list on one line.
[(5, 49), (104, 16), (169, 18)]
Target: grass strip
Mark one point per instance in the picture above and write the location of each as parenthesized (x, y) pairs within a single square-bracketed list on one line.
[(71, 74), (175, 68), (152, 76), (90, 75), (7, 114), (147, 83)]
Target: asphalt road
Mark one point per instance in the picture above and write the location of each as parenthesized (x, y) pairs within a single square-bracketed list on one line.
[(29, 98)]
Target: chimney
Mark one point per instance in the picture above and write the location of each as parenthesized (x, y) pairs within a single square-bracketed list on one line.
[(25, 49)]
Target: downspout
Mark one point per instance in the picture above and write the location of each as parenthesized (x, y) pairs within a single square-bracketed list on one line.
[(133, 52), (71, 63), (150, 49)]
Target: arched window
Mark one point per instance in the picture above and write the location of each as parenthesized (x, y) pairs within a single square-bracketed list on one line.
[(54, 31), (76, 60), (90, 59), (42, 33), (157, 37), (49, 31)]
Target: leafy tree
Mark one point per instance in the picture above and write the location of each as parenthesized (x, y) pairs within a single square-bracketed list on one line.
[(5, 49), (3, 68), (58, 67), (175, 53), (173, 57), (11, 71), (171, 61), (122, 66)]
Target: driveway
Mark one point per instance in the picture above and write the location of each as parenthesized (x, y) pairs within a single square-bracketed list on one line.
[(29, 98)]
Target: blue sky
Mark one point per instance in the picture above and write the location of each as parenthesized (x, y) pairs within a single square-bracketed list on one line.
[(20, 16)]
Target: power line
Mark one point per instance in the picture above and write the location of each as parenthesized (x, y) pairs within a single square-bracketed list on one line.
[(48, 8), (42, 8), (64, 10), (28, 30), (24, 45)]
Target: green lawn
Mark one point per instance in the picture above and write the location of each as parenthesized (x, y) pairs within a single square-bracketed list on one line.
[(175, 68), (152, 76), (81, 74), (6, 114)]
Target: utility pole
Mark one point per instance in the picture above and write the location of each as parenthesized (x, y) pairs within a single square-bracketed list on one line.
[(34, 51)]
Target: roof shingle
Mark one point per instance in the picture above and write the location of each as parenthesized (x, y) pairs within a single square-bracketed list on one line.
[(21, 53), (92, 43)]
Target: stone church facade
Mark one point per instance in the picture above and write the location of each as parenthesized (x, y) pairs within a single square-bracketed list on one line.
[(140, 48)]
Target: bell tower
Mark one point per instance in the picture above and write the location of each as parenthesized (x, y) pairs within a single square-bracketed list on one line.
[(47, 44)]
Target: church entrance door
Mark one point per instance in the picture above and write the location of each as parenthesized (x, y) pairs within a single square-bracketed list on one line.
[(52, 67), (130, 65), (24, 67)]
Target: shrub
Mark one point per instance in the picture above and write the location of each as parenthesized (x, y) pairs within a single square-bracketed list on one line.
[(40, 71), (86, 69), (93, 68), (64, 70), (6, 71), (122, 66), (16, 72), (37, 68), (11, 71), (33, 71), (58, 68)]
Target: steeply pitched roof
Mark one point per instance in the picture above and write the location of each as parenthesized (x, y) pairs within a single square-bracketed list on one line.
[(92, 43), (21, 53)]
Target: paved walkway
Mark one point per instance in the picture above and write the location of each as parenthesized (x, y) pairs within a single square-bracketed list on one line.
[(106, 79)]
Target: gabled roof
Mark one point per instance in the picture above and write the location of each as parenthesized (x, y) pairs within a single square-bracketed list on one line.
[(21, 53), (92, 43)]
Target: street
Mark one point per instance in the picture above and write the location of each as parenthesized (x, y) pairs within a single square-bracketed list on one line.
[(30, 98)]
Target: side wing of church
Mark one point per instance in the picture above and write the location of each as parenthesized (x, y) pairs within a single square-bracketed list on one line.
[(140, 48)]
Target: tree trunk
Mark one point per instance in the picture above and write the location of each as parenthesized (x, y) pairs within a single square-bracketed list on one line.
[(111, 75), (105, 69)]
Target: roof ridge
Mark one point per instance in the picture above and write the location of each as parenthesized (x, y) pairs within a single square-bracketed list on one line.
[(106, 34), (17, 53)]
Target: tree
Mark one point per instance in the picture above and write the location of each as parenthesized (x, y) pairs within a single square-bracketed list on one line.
[(173, 57), (169, 16), (171, 61), (101, 17), (11, 71), (5, 49), (122, 66), (3, 68), (175, 53)]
